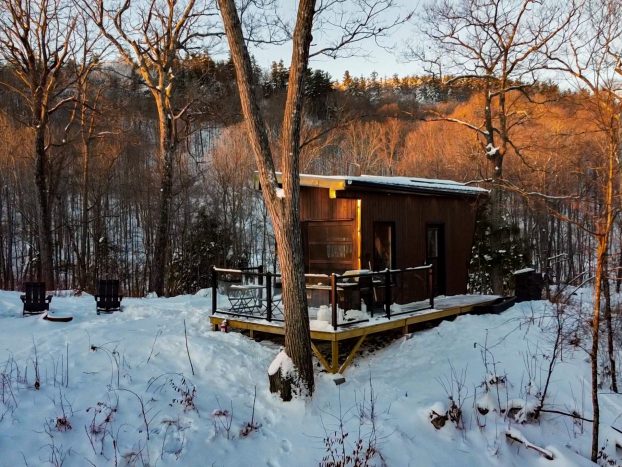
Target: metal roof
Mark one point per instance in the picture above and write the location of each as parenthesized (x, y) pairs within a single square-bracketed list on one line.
[(377, 183)]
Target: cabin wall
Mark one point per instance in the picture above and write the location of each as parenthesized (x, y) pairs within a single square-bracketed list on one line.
[(316, 205), (411, 215)]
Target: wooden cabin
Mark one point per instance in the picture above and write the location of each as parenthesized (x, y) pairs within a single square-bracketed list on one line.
[(374, 222)]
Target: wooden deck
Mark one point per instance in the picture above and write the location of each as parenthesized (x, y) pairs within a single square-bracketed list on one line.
[(322, 332)]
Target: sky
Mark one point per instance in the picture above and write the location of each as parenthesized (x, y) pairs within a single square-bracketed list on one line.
[(385, 60)]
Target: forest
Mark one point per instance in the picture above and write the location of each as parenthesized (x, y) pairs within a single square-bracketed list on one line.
[(103, 171)]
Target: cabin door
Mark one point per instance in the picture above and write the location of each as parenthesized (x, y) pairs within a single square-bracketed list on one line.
[(435, 255), (384, 245)]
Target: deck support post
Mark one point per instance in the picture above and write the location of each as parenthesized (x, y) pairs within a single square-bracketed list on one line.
[(334, 347), (320, 357), (352, 354)]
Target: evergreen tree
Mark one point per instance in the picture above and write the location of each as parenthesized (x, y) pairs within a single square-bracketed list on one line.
[(347, 83), (207, 244), (318, 87)]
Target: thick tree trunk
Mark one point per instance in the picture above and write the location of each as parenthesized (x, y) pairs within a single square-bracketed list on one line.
[(167, 150), (284, 211), (44, 223), (298, 339), (497, 223), (297, 332)]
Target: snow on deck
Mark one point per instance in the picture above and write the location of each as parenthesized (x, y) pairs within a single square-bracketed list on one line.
[(355, 319)]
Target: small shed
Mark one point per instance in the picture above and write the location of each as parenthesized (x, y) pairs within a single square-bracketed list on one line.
[(376, 222)]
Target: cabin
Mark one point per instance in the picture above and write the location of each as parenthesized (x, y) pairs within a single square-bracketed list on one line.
[(376, 222), (377, 252)]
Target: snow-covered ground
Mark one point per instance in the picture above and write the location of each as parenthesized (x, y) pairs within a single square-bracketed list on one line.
[(129, 396)]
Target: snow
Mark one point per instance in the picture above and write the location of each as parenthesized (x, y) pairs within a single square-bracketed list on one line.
[(280, 193), (126, 363), (523, 271), (491, 150), (419, 184), (281, 362)]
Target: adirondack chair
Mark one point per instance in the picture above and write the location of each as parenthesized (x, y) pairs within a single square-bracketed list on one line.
[(108, 298), (34, 298)]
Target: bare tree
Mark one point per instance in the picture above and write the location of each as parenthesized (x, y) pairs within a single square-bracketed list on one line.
[(359, 20), (150, 37), (589, 58), (37, 41), (498, 44)]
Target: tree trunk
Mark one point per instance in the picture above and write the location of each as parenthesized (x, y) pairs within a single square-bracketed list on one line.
[(84, 228), (167, 150), (284, 211), (496, 238), (496, 195), (604, 225), (601, 252), (619, 272), (44, 224), (610, 349), (11, 204)]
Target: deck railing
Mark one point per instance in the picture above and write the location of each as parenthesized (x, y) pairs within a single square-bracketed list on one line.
[(257, 294)]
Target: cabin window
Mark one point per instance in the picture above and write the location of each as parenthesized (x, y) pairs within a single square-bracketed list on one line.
[(329, 246), (433, 242), (384, 245)]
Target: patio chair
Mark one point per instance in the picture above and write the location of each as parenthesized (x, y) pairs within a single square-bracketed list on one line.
[(108, 298), (34, 298)]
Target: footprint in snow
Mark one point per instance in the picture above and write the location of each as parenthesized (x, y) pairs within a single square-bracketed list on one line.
[(286, 446)]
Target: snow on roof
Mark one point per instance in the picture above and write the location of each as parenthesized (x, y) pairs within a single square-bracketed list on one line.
[(410, 184), (523, 271)]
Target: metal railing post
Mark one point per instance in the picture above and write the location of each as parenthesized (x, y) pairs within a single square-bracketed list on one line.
[(431, 285), (214, 289), (333, 299), (387, 293), (269, 296)]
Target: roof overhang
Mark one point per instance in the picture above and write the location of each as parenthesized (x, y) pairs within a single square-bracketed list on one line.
[(346, 186)]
